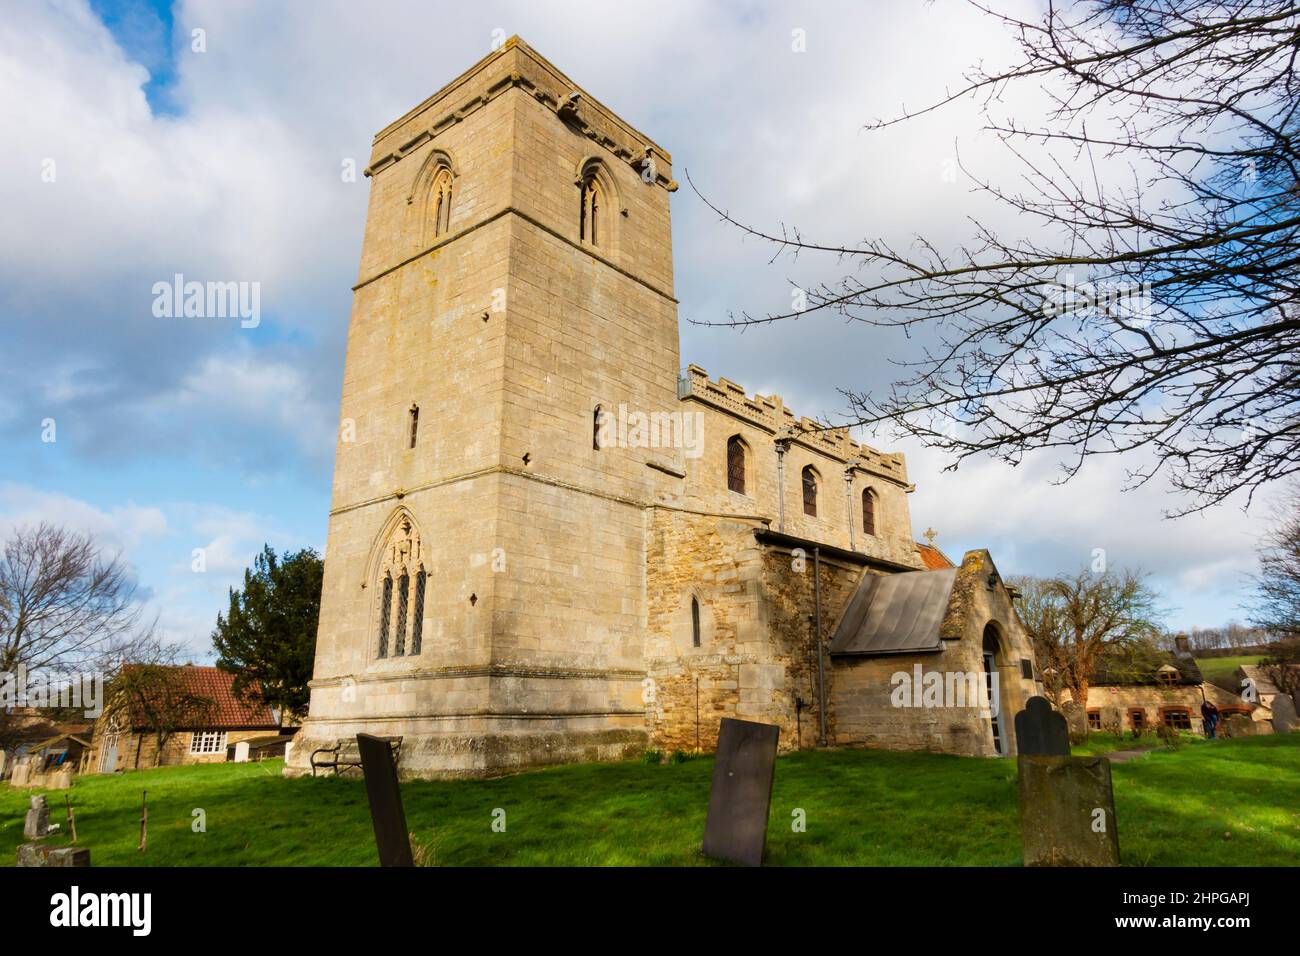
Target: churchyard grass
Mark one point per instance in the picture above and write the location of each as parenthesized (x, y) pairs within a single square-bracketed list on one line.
[(1216, 804)]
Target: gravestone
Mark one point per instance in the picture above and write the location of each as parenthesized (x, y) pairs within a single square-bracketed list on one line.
[(1284, 715), (22, 772), (1236, 725), (1112, 720), (241, 752), (37, 823), (386, 813), (43, 854), (1041, 730), (1067, 811), (741, 796), (4, 758)]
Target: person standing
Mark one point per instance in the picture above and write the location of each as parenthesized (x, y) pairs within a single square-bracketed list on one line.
[(1210, 717)]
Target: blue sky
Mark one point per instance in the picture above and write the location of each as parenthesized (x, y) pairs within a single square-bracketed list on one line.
[(223, 163)]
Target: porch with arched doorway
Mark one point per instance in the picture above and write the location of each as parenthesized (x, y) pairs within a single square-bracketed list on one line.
[(995, 662)]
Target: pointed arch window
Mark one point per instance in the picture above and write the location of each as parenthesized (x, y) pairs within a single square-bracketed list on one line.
[(695, 622), (592, 205), (440, 201), (810, 491), (868, 512), (401, 614), (736, 464)]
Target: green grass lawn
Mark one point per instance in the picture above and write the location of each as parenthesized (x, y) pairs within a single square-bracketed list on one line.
[(1219, 804), (1213, 668)]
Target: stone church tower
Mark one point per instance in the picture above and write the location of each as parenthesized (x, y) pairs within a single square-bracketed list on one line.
[(484, 566), (549, 542)]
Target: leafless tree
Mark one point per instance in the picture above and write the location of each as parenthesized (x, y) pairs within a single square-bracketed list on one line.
[(1149, 303), (1277, 596), (1074, 621), (63, 605), (148, 692)]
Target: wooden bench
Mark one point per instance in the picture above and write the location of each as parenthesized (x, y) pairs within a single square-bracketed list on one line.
[(344, 756)]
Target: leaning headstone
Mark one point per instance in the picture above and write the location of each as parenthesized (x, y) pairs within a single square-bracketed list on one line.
[(37, 823), (1067, 811), (741, 797), (43, 854), (1041, 730), (386, 813), (1284, 715)]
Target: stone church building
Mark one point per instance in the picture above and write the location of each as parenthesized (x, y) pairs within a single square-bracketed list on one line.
[(548, 541)]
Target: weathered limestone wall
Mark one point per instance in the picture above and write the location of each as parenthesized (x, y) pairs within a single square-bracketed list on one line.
[(756, 653), (864, 688)]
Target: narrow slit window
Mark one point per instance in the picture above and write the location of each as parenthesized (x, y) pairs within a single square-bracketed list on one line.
[(385, 611), (415, 423), (589, 213), (595, 428), (695, 622)]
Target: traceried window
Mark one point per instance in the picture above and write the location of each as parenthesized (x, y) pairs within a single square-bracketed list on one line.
[(401, 614), (810, 491), (736, 464), (403, 597), (868, 512), (417, 621), (208, 742), (591, 209), (440, 201), (385, 613), (695, 622)]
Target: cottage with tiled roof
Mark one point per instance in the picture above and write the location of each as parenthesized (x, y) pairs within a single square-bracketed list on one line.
[(128, 736)]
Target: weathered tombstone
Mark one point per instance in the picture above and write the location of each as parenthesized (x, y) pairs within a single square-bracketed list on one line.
[(43, 854), (1067, 811), (288, 749), (1284, 715), (386, 813), (1112, 720), (37, 823), (1076, 721), (1041, 730), (4, 758), (241, 752), (22, 772), (741, 796), (1237, 725)]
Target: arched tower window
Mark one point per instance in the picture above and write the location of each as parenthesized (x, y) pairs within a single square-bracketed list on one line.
[(868, 511), (440, 201), (592, 206), (736, 464), (810, 491), (695, 622), (400, 624)]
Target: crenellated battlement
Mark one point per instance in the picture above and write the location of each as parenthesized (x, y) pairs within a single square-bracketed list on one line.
[(770, 413)]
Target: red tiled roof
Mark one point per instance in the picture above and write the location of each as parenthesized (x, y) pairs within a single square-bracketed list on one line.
[(933, 558), (230, 712)]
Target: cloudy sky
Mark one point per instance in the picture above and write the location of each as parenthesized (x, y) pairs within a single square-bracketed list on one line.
[(130, 156)]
